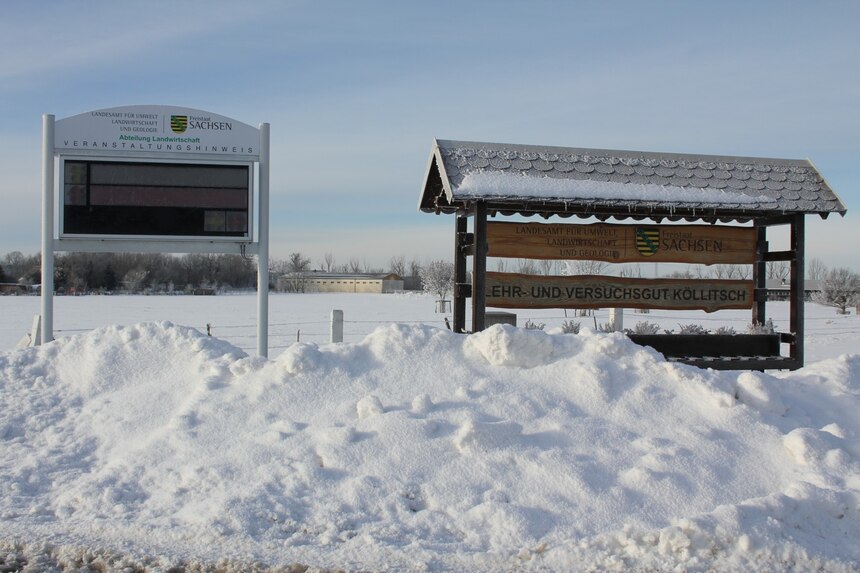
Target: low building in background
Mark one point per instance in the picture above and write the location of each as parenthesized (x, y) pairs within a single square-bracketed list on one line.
[(320, 281), (779, 289)]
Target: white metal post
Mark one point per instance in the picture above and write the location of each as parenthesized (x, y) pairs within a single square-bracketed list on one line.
[(263, 251), (616, 319), (47, 228), (336, 326)]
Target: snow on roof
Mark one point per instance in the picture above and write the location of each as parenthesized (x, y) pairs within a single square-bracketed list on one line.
[(421, 449), (501, 184), (584, 181), (350, 276)]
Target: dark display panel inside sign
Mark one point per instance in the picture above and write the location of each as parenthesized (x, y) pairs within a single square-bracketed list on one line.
[(161, 199)]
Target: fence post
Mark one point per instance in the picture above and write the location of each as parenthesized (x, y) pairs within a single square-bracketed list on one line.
[(337, 326), (616, 319)]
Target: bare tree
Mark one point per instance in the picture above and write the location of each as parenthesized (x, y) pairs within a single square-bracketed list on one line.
[(437, 278), (840, 289), (737, 272), (414, 268), (278, 266), (701, 272), (816, 269), (778, 270), (328, 259), (501, 265), (545, 266), (526, 267), (354, 265), (633, 271), (23, 269), (584, 267), (298, 263), (397, 265), (294, 280), (16, 264)]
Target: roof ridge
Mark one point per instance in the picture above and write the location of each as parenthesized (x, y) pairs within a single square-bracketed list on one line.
[(451, 143)]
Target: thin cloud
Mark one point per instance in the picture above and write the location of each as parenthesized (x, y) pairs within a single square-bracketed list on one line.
[(40, 40)]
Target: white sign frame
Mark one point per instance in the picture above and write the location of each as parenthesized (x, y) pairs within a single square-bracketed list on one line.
[(119, 134)]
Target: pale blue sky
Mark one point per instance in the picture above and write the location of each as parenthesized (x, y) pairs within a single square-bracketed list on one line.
[(356, 90)]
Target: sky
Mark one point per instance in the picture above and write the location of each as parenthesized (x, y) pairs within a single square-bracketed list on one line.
[(355, 92)]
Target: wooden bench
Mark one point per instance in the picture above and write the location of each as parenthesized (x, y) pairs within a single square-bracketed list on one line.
[(720, 351)]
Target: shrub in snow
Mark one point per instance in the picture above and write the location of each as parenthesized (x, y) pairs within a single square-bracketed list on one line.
[(645, 327), (725, 330), (693, 329), (570, 327), (840, 289), (529, 325), (605, 327), (766, 327)]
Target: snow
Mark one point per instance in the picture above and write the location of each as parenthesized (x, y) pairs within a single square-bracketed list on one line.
[(504, 184), (415, 449)]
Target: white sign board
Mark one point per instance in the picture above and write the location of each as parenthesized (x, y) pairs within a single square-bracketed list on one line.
[(163, 130), (155, 179)]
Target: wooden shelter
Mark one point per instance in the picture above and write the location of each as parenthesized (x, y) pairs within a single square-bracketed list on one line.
[(484, 180)]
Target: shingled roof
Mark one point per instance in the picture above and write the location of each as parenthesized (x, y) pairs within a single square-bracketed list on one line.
[(566, 181)]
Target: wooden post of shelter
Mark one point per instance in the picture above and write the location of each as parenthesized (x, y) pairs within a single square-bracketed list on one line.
[(798, 290), (479, 267), (760, 274), (461, 288)]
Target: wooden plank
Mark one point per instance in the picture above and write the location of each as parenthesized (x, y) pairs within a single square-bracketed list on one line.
[(757, 363), (711, 346), (697, 244), (511, 290), (779, 256)]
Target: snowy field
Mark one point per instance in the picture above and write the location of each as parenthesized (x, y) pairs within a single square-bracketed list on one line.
[(408, 448), (307, 318)]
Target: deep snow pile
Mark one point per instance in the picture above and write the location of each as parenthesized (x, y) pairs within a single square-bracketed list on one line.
[(418, 449)]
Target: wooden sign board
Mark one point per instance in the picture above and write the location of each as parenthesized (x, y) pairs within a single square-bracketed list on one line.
[(511, 290), (698, 244)]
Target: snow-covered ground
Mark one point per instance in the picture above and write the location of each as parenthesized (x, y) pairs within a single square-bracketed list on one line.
[(307, 318), (409, 448)]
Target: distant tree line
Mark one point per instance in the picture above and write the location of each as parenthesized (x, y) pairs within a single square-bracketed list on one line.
[(132, 272), (137, 272)]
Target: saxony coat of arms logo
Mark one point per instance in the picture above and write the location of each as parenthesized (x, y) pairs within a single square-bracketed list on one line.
[(178, 123), (647, 240)]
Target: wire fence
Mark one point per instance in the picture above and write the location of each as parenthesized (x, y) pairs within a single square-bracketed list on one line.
[(282, 334)]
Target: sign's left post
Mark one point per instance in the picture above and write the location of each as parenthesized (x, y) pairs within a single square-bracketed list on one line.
[(47, 288)]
